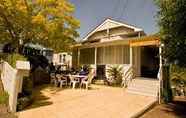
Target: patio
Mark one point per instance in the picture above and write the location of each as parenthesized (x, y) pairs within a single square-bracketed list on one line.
[(99, 102)]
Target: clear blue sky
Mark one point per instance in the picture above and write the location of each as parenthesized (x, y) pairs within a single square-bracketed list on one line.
[(141, 13)]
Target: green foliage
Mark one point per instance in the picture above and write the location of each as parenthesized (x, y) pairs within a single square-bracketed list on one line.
[(172, 22), (12, 58), (177, 75), (4, 98), (167, 91), (115, 72), (27, 85), (26, 97), (48, 22), (23, 102), (178, 79)]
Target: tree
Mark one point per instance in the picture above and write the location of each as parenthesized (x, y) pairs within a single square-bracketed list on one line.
[(48, 22), (172, 22)]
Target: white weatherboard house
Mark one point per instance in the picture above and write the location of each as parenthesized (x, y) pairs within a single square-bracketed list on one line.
[(64, 59), (117, 43)]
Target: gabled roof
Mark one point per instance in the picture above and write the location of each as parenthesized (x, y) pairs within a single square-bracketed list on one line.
[(110, 23)]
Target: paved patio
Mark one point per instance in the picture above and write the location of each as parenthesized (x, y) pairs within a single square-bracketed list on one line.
[(99, 102)]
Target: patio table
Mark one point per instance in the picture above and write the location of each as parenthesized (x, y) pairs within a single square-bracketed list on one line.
[(79, 77)]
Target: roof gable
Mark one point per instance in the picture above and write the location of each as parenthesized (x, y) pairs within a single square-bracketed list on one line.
[(109, 23)]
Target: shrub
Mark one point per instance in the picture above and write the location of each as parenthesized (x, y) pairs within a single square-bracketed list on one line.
[(11, 58), (40, 76), (23, 102), (115, 74), (4, 98), (27, 86), (178, 79), (167, 92), (25, 98), (177, 74)]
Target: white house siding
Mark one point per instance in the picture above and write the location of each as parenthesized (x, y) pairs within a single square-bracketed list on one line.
[(58, 59)]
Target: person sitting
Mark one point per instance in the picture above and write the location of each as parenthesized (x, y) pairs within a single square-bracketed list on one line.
[(82, 72)]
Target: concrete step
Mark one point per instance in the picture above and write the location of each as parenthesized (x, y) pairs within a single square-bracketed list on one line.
[(144, 93), (99, 82), (145, 81), (143, 90), (153, 87), (143, 86)]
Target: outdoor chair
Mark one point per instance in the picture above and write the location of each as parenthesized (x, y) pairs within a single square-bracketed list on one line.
[(73, 81), (87, 81), (61, 80), (53, 79)]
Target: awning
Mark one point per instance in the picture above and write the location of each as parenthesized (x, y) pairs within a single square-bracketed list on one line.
[(145, 41), (134, 41)]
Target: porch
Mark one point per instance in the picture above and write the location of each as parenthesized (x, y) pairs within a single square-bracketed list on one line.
[(142, 53)]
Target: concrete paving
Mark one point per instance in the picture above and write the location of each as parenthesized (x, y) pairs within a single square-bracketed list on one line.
[(99, 102)]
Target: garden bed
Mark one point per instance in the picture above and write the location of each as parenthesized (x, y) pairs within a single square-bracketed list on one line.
[(175, 109)]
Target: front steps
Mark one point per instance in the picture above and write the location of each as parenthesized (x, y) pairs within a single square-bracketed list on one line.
[(144, 86)]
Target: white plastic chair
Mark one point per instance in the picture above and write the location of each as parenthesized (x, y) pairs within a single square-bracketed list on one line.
[(53, 79), (73, 81), (63, 81), (87, 81)]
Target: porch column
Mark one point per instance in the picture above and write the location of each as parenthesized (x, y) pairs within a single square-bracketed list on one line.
[(78, 63), (160, 72), (131, 55), (95, 60)]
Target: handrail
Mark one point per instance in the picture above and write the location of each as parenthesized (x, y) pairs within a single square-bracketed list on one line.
[(127, 76)]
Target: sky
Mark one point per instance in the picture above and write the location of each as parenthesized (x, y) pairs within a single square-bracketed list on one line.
[(140, 13)]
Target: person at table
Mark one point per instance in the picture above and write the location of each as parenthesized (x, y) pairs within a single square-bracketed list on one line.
[(82, 72)]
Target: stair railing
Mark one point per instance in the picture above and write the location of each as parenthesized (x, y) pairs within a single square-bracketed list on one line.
[(128, 75)]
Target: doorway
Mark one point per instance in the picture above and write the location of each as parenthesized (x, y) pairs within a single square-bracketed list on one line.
[(149, 61)]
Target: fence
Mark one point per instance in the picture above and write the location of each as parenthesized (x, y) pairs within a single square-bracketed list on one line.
[(12, 82)]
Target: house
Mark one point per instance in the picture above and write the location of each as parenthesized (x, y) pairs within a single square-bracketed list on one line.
[(62, 59), (114, 42)]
